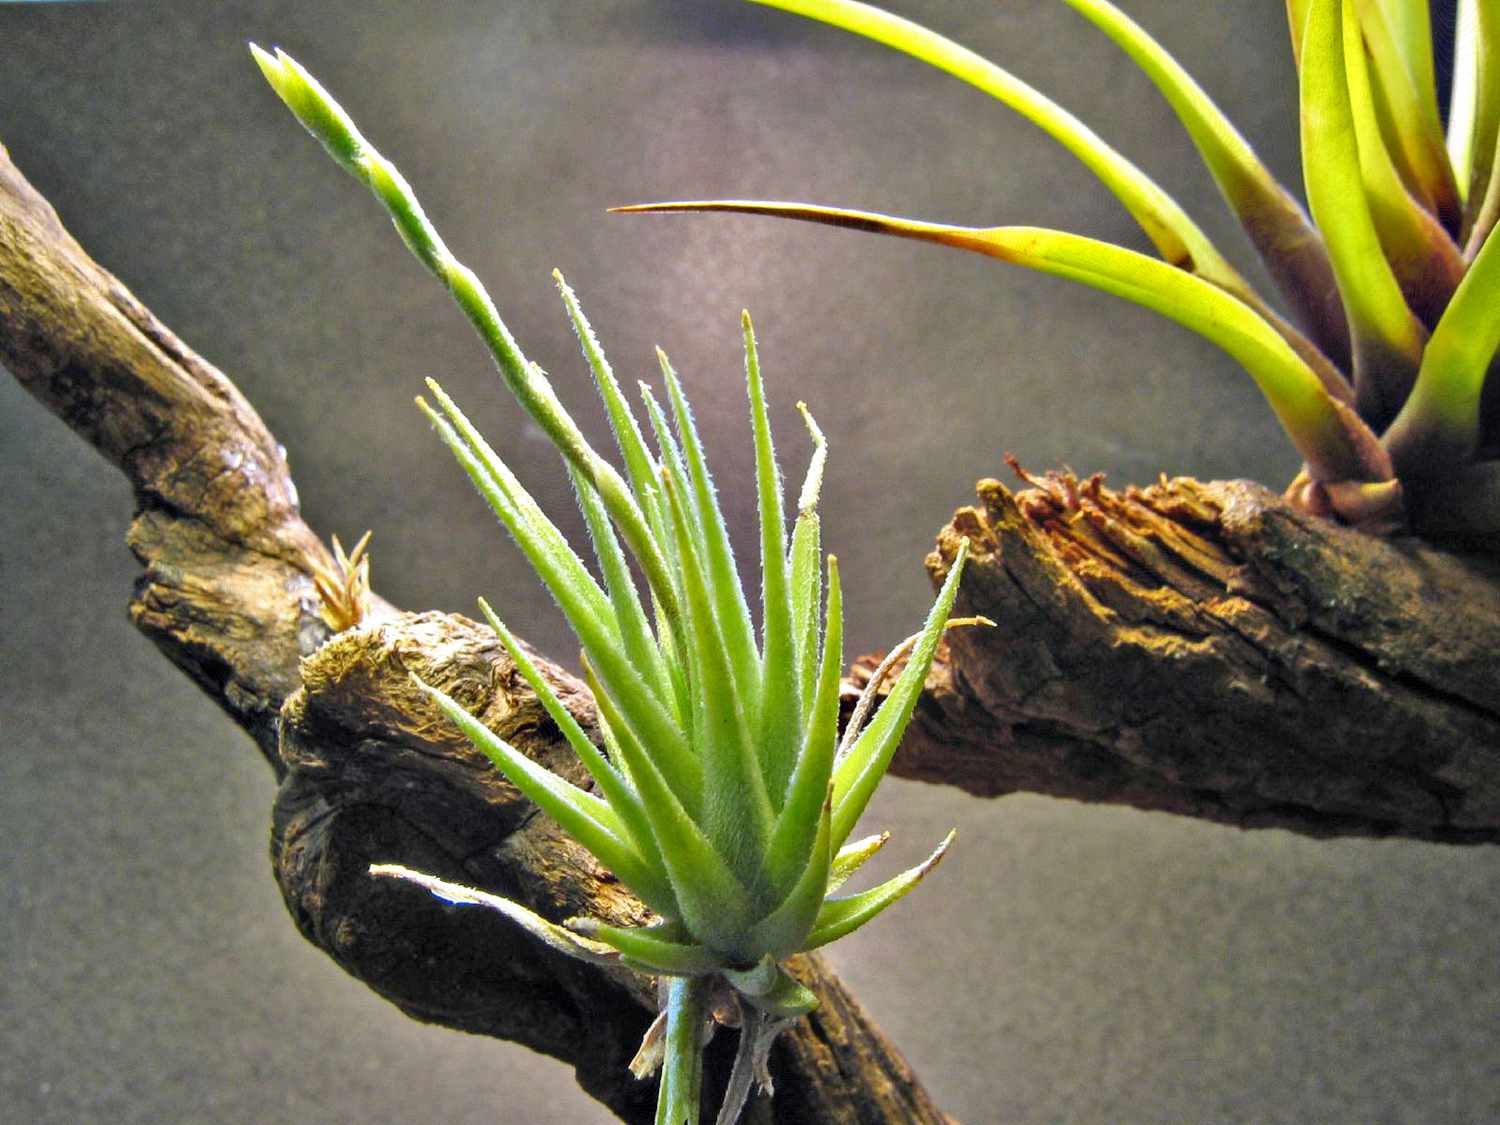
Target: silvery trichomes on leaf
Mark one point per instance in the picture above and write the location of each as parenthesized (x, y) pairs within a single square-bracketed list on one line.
[(1391, 289), (725, 796)]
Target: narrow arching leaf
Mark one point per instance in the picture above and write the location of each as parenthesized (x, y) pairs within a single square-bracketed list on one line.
[(992, 241), (780, 704), (1439, 426), (1425, 261), (641, 945), (549, 933), (1286, 240), (1386, 336), (581, 815), (1335, 443), (328, 122), (1176, 237), (857, 774), (842, 916), (710, 538), (1398, 35)]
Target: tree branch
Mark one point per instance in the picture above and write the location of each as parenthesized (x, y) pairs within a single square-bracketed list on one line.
[(1205, 649)]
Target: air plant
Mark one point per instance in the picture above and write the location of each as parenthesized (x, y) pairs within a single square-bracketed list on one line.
[(1392, 288), (725, 795)]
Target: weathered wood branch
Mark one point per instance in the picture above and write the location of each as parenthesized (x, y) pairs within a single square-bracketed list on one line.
[(1207, 650), (367, 773)]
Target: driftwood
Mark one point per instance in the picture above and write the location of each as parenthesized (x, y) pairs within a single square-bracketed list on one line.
[(1206, 650), (1195, 648)]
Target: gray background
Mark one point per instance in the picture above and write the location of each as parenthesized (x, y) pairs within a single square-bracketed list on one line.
[(1067, 963)]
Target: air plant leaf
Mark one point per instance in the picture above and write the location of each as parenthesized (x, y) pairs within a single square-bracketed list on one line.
[(859, 771), (1474, 119), (549, 933), (1438, 428), (852, 857), (793, 837), (1386, 336), (1424, 260), (1177, 238), (1333, 441), (1286, 240), (653, 951), (842, 916), (1398, 35)]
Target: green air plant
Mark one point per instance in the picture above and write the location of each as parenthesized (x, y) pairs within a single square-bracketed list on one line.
[(1392, 288), (727, 796)]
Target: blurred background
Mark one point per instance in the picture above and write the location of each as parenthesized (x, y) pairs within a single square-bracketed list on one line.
[(1068, 963)]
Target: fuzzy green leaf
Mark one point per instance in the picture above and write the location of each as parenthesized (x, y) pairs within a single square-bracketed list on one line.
[(857, 774), (840, 917), (782, 931), (736, 808), (646, 947), (583, 816), (614, 786), (715, 905), (780, 708), (709, 537), (792, 838)]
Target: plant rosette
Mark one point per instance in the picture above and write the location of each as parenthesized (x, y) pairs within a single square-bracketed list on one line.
[(725, 795)]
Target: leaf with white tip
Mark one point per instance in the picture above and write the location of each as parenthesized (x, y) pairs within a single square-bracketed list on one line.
[(852, 857), (551, 934), (842, 916)]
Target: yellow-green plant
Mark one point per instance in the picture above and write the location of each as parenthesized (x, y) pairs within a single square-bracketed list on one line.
[(727, 795), (1392, 287)]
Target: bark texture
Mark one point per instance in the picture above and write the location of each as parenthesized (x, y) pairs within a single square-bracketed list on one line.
[(1207, 650), (367, 771)]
